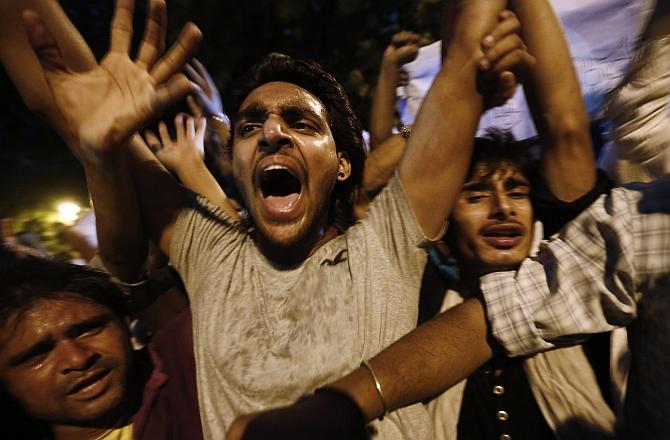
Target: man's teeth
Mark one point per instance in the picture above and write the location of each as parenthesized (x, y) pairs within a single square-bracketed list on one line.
[(274, 167), (89, 386)]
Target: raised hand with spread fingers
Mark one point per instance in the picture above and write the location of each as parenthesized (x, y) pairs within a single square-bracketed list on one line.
[(107, 103), (184, 157), (206, 101), (184, 151), (103, 105)]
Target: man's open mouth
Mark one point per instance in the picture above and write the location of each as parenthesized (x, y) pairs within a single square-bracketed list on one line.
[(279, 187), (504, 235), (90, 387)]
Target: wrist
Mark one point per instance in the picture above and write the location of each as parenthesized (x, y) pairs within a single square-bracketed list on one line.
[(389, 65), (189, 169), (360, 387), (467, 22), (96, 151)]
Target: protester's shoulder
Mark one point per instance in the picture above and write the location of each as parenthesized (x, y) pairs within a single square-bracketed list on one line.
[(633, 205), (391, 198), (200, 206), (200, 228), (643, 198), (390, 217), (380, 209), (200, 213)]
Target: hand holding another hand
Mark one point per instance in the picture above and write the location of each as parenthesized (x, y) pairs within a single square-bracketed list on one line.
[(506, 60)]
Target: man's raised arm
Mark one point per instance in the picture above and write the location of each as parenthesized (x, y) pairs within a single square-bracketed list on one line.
[(555, 99), (404, 48), (105, 105), (23, 67), (438, 152)]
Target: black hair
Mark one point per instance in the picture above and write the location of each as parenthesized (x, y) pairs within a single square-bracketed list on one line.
[(498, 147), (25, 279), (343, 122)]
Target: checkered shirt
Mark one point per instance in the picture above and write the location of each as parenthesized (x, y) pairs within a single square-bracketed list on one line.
[(610, 267)]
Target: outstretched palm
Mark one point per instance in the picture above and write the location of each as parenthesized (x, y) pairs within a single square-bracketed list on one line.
[(104, 105)]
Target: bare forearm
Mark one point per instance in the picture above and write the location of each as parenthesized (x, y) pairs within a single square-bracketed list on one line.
[(438, 153), (197, 178), (135, 199), (556, 103), (424, 363), (121, 240), (383, 104), (159, 196), (382, 163)]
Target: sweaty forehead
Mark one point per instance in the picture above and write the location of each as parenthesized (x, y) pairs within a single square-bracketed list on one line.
[(43, 316), (278, 95)]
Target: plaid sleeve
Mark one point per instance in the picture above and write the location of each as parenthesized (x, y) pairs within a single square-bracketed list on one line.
[(583, 281)]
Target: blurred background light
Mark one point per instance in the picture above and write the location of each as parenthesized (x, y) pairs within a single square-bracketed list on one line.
[(68, 212)]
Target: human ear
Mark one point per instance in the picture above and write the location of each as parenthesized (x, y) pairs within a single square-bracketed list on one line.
[(344, 167)]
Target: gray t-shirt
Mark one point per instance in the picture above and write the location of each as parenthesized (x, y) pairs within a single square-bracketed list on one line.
[(264, 336)]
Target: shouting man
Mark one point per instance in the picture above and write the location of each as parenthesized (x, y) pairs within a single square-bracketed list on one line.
[(296, 296)]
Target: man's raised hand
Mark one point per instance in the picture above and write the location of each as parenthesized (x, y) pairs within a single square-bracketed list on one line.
[(404, 48), (505, 60), (185, 150), (107, 103), (206, 100)]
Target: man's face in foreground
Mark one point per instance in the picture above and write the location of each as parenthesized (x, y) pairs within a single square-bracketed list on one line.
[(285, 163), (66, 361), (493, 218)]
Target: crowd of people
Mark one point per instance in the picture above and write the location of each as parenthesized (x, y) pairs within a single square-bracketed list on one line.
[(263, 273)]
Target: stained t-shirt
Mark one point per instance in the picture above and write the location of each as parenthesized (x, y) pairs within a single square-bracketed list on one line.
[(264, 336)]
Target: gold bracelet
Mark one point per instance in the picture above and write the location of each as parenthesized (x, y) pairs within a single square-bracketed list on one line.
[(378, 386)]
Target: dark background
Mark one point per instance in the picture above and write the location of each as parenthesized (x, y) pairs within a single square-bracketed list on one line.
[(346, 36)]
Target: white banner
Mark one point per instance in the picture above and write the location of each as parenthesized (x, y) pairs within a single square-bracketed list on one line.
[(601, 35)]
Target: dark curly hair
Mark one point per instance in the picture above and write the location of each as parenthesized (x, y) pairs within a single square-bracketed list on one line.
[(343, 122), (498, 147), (25, 279)]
